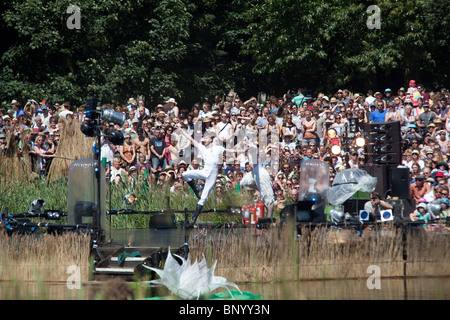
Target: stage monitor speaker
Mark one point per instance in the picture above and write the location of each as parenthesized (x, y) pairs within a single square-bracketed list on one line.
[(400, 182)]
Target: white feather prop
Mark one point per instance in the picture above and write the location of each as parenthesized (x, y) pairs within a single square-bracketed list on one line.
[(189, 281)]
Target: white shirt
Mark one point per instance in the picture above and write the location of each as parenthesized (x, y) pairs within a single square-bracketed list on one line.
[(224, 130), (211, 156), (369, 100), (64, 113)]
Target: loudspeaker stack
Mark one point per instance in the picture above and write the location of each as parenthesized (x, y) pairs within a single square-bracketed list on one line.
[(383, 156)]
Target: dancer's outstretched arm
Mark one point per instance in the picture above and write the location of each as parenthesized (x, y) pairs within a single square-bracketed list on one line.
[(193, 141)]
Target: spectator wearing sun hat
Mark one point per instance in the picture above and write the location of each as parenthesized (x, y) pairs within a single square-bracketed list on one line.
[(388, 96), (441, 170), (421, 214), (445, 207), (171, 107)]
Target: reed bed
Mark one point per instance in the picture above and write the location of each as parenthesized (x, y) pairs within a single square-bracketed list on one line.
[(45, 258), (428, 254), (73, 145), (319, 254), (14, 165)]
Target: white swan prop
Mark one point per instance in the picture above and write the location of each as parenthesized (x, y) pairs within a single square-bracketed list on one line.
[(189, 281)]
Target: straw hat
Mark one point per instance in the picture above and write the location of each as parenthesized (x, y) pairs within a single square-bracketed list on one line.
[(171, 100)]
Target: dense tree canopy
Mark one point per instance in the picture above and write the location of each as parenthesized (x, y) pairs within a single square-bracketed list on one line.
[(192, 50)]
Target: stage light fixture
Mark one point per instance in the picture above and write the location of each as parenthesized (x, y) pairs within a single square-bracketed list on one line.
[(434, 209), (53, 215), (235, 210), (116, 137), (331, 133), (354, 125), (89, 128), (335, 149), (360, 142), (110, 115), (336, 215)]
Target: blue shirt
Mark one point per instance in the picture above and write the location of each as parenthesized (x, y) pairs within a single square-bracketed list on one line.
[(377, 116)]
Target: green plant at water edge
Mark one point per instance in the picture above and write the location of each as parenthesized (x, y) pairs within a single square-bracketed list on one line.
[(16, 197)]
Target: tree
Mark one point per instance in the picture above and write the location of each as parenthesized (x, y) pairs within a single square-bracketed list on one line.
[(327, 44)]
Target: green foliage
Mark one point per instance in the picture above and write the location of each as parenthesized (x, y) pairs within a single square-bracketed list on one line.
[(326, 44), (123, 48), (192, 50)]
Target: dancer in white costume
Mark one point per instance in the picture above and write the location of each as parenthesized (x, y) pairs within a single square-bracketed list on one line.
[(258, 178), (211, 155)]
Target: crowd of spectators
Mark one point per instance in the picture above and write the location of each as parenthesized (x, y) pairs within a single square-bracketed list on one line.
[(296, 126)]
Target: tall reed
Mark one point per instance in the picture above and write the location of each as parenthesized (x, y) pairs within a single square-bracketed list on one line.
[(15, 163), (276, 255), (45, 258), (73, 145)]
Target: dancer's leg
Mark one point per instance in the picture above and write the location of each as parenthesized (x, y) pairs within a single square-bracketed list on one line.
[(210, 180)]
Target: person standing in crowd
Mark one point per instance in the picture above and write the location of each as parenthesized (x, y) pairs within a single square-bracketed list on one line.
[(425, 118), (379, 115), (320, 126), (42, 155), (299, 98), (421, 214), (157, 151), (309, 128), (116, 173), (127, 152), (140, 143), (66, 111), (45, 116), (224, 130)]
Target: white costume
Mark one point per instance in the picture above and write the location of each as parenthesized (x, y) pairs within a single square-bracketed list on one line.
[(258, 177), (211, 157)]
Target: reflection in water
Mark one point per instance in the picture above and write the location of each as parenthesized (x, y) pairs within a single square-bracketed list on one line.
[(391, 289)]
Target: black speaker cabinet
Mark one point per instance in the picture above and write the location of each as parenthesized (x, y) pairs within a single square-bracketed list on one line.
[(383, 143), (400, 181), (384, 148), (384, 158), (391, 129)]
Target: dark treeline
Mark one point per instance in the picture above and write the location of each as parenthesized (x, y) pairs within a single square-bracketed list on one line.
[(193, 50)]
